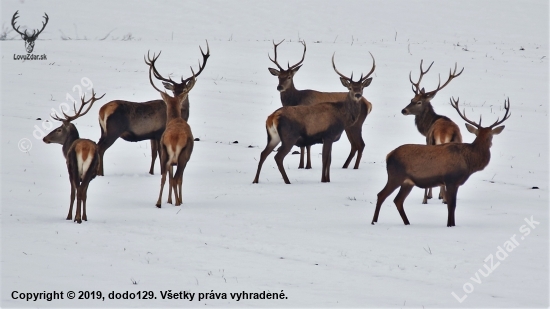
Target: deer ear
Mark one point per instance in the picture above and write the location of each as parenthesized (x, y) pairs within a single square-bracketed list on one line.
[(430, 96), (367, 82), (274, 72), (296, 69), (497, 130), (422, 91), (168, 86), (345, 82), (471, 129)]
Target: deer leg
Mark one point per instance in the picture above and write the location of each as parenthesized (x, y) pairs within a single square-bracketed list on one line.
[(359, 154), (427, 195), (280, 156), (170, 183), (163, 169), (351, 139), (268, 149), (77, 216), (451, 204), (154, 153), (73, 191), (302, 154), (327, 152), (84, 189), (400, 198), (162, 181), (308, 165), (391, 185), (103, 144), (179, 178), (442, 194)]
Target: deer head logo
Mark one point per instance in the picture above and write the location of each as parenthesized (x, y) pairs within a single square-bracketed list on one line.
[(29, 39)]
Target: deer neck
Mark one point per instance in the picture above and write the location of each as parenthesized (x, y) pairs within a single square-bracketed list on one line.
[(352, 109), (479, 154), (173, 112), (425, 120), (291, 96), (69, 140)]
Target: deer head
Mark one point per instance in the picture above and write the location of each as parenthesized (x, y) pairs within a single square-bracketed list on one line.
[(285, 76), (484, 134), (355, 88), (175, 87), (421, 99), (60, 134), (29, 39), (173, 103)]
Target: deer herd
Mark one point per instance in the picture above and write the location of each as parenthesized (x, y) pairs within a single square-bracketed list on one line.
[(307, 117)]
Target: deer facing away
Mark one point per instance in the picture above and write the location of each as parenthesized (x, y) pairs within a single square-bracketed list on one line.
[(176, 143), (290, 96), (322, 122), (136, 122), (436, 128), (81, 155), (450, 164)]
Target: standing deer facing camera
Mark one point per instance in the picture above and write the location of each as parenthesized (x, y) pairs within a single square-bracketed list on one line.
[(451, 164), (136, 122), (436, 128), (290, 96), (81, 155), (322, 122), (176, 143)]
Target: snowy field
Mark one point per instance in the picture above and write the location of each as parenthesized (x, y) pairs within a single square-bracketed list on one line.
[(313, 241)]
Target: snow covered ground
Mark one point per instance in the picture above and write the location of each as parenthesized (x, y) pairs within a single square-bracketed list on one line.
[(311, 240)]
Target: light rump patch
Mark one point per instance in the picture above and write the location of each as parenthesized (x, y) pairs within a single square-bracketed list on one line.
[(104, 112)]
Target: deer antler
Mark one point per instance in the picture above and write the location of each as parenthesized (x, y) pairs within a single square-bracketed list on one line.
[(362, 79), (15, 16), (451, 77), (79, 113), (275, 50), (506, 114), (151, 63), (422, 72), (201, 67), (289, 67), (454, 103), (34, 33)]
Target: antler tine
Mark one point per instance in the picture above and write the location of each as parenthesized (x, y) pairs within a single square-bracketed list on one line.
[(15, 16), (275, 51), (506, 114), (371, 71), (452, 75), (463, 114), (338, 72), (81, 113), (303, 57), (151, 63), (43, 26), (201, 67), (422, 73)]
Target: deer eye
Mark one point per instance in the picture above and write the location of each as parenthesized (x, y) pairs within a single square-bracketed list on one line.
[(58, 130), (419, 103)]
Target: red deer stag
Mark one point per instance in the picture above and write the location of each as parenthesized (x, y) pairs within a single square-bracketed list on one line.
[(136, 122), (321, 122), (427, 166), (290, 96), (81, 155), (176, 143), (436, 128)]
